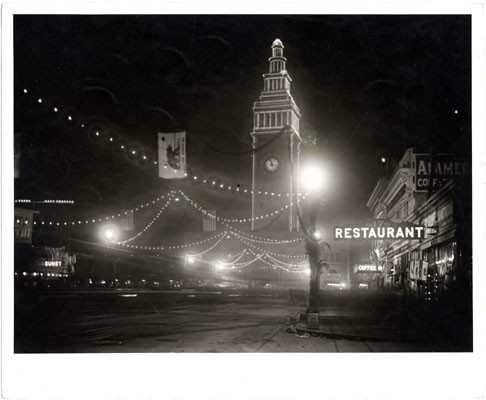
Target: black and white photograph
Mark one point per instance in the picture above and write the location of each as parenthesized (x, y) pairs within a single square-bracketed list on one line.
[(241, 183)]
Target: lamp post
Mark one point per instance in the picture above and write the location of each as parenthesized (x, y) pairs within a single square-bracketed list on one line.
[(313, 180), (110, 235)]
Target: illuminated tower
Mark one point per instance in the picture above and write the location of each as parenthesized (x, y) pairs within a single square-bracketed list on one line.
[(272, 172)]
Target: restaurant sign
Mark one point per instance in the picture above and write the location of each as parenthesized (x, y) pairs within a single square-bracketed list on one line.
[(392, 231)]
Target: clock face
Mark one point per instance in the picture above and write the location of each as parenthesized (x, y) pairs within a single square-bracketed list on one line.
[(272, 164)]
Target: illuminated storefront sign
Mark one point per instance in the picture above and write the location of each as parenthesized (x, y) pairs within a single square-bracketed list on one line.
[(367, 268), (382, 232), (52, 263)]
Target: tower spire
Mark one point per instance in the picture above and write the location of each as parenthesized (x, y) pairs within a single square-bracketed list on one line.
[(277, 61), (275, 168)]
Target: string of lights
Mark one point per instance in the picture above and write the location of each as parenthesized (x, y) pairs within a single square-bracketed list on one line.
[(302, 264), (134, 151), (222, 237), (56, 201), (149, 225), (294, 268), (242, 239), (238, 220), (171, 247), (225, 221), (98, 220), (261, 239)]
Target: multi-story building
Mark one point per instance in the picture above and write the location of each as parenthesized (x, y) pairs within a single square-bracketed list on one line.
[(276, 141), (432, 191)]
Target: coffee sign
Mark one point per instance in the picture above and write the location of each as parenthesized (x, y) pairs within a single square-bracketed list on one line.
[(433, 172)]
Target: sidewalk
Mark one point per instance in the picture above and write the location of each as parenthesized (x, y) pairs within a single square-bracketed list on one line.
[(394, 328)]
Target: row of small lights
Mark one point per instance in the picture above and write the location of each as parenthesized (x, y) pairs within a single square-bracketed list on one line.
[(262, 240), (305, 271), (44, 201), (242, 220), (42, 274), (173, 197), (82, 125), (107, 218), (195, 178), (221, 265), (237, 188), (238, 220), (149, 225), (243, 240), (223, 236), (264, 253), (171, 247)]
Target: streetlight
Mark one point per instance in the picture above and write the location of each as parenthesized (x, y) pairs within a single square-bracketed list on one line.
[(313, 181), (110, 236), (219, 265)]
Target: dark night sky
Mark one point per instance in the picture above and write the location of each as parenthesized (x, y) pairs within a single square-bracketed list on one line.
[(369, 86)]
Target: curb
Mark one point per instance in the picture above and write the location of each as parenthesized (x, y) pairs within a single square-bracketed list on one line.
[(301, 328)]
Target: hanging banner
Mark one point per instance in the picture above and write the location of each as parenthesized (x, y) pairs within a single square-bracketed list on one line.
[(172, 155)]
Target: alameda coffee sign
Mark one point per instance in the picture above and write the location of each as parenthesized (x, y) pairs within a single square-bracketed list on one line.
[(396, 231), (433, 172)]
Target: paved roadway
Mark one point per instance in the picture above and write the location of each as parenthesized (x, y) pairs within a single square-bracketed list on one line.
[(99, 321)]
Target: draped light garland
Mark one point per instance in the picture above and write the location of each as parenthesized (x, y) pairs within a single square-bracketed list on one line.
[(149, 225), (243, 240), (238, 220), (174, 247), (146, 156), (140, 207), (246, 235)]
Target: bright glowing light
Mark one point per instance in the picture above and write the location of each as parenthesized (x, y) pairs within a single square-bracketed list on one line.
[(25, 90), (317, 235), (111, 139), (307, 271), (55, 109), (24, 273), (383, 160), (39, 100), (177, 199), (313, 178), (134, 152), (70, 118), (219, 265), (97, 133), (190, 260), (109, 234)]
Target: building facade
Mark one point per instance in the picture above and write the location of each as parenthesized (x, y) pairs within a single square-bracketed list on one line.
[(430, 191), (276, 143)]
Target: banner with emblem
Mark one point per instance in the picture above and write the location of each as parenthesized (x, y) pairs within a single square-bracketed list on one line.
[(172, 155)]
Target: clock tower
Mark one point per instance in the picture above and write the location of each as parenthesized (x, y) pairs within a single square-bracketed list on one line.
[(276, 144)]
